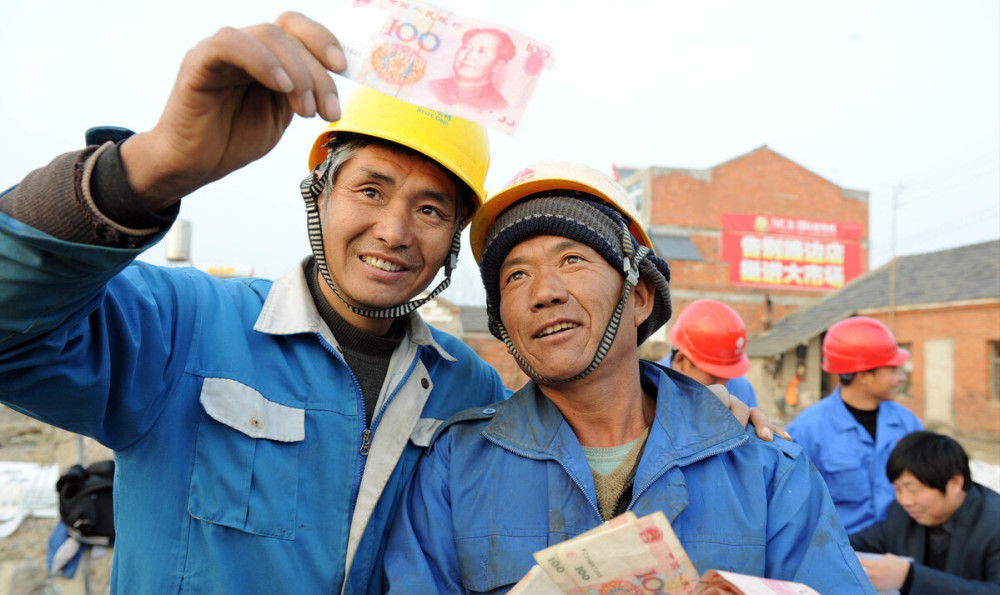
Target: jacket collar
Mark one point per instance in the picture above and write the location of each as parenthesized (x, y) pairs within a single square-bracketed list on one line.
[(289, 310), (963, 520), (966, 515), (531, 425), (843, 420)]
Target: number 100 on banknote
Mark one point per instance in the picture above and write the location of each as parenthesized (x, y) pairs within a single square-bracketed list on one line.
[(435, 58)]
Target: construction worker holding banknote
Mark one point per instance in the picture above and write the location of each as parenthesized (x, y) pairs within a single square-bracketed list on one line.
[(263, 431), (573, 288)]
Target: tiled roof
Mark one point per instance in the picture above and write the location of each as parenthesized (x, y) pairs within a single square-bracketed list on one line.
[(965, 273), (671, 247), (473, 319)]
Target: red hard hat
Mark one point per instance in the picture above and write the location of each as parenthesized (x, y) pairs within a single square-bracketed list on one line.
[(712, 336), (858, 344)]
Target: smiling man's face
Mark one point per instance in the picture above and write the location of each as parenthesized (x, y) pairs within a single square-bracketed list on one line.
[(556, 298), (388, 222), (926, 505)]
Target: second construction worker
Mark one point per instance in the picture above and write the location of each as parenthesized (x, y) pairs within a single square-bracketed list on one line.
[(709, 343)]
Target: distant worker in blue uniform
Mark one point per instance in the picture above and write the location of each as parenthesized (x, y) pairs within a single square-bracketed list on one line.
[(709, 344), (850, 434)]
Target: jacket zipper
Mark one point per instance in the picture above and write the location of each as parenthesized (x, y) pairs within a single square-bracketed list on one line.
[(366, 436), (366, 441)]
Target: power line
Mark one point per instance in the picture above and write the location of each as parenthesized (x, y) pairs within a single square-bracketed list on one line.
[(935, 193), (956, 224)]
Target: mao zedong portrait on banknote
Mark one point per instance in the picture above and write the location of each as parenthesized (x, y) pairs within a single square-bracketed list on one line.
[(483, 53)]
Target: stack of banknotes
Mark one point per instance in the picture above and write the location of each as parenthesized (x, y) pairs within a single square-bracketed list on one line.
[(630, 554)]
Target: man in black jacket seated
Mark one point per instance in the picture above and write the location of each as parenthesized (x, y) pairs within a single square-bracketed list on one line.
[(942, 520)]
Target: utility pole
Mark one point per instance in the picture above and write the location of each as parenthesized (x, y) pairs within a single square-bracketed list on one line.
[(892, 263)]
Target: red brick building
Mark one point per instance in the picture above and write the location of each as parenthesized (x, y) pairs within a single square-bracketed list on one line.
[(688, 214)]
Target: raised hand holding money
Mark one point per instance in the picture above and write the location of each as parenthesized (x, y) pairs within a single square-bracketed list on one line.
[(234, 95), (432, 57)]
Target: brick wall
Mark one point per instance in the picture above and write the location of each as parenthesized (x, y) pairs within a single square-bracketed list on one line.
[(495, 353), (760, 182), (971, 328)]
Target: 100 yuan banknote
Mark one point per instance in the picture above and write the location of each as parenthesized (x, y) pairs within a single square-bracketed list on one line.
[(558, 572), (435, 58), (638, 556)]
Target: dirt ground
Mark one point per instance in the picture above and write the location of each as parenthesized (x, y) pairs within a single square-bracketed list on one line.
[(23, 553)]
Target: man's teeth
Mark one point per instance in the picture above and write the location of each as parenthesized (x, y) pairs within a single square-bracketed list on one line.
[(556, 328), (382, 264)]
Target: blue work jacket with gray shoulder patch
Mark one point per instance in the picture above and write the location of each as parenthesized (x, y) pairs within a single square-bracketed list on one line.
[(503, 482), (243, 464)]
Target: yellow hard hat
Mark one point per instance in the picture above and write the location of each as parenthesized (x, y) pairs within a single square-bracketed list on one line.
[(555, 175), (458, 145)]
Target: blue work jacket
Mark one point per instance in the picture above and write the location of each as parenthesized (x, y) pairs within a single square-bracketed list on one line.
[(853, 464), (503, 482), (242, 460)]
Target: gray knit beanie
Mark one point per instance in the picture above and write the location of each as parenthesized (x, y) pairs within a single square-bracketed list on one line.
[(580, 217)]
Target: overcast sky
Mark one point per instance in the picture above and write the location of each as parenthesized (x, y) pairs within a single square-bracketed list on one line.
[(898, 98)]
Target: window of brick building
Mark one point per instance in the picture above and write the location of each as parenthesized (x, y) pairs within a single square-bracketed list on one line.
[(907, 368), (635, 193)]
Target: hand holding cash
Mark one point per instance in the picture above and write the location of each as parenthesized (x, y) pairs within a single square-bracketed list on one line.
[(636, 555)]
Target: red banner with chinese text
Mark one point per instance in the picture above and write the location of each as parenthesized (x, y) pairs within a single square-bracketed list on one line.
[(789, 252)]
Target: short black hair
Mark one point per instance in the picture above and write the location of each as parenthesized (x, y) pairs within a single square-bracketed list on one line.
[(931, 458)]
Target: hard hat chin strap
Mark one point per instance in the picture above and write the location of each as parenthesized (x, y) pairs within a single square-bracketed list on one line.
[(312, 188), (632, 258)]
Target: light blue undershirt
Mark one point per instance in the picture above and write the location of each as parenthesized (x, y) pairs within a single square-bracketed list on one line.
[(605, 460)]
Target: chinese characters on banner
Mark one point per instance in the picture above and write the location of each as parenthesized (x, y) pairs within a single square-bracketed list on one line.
[(789, 252)]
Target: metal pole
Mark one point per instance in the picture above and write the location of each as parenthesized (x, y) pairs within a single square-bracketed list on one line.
[(84, 569), (892, 264)]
